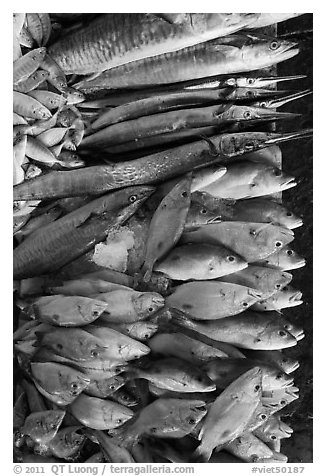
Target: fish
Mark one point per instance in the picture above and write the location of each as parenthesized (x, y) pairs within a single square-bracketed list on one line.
[(118, 346), (223, 371), (35, 27), (129, 37), (251, 241), (105, 387), (165, 417), (56, 76), (276, 357), (249, 330), (200, 262), (80, 230), (229, 413), (181, 346), (285, 259), (68, 311), (26, 65), (158, 392), (19, 159), (99, 414), (151, 168), (84, 286), (42, 427), (273, 429), (208, 300), (48, 99), (251, 449), (167, 224), (35, 223), (58, 383), (36, 150), (27, 106), (267, 280), (231, 54), (25, 38), (112, 452), (126, 306), (247, 180), (286, 297), (141, 128), (278, 102), (176, 375), (67, 443), (18, 22), (262, 210)]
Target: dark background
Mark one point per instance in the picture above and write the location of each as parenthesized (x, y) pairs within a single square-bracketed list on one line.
[(297, 160)]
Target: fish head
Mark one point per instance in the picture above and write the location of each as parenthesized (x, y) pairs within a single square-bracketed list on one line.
[(276, 237), (288, 219), (250, 384), (126, 398), (43, 426), (67, 441), (290, 259), (113, 384), (270, 179), (202, 382), (120, 417), (289, 297), (91, 310), (199, 215), (71, 159), (274, 378), (296, 331), (73, 96), (147, 330), (287, 364), (277, 429), (146, 304), (275, 336), (192, 412), (262, 51)]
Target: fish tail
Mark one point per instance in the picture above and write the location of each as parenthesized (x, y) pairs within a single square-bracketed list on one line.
[(200, 455)]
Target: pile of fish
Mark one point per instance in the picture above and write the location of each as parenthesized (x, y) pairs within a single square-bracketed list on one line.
[(151, 250)]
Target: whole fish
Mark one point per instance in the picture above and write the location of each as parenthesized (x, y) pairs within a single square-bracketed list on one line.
[(267, 280), (35, 27), (276, 357), (248, 330), (79, 230), (112, 452), (286, 297), (27, 106), (251, 449), (123, 38), (175, 374), (67, 443), (125, 306), (48, 99), (229, 414), (105, 387), (251, 241), (247, 180), (167, 224), (151, 168), (207, 300), (68, 311), (58, 383), (56, 76), (36, 150), (285, 259), (165, 417), (199, 262), (43, 426), (119, 346), (99, 414), (260, 210), (228, 55), (224, 371), (181, 346), (26, 65)]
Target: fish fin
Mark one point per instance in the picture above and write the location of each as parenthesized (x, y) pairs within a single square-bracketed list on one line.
[(200, 455)]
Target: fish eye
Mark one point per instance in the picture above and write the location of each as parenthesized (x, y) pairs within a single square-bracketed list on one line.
[(74, 385), (95, 313), (254, 458), (59, 346), (147, 336), (263, 416), (273, 45), (273, 437), (132, 198), (256, 388), (53, 426), (230, 258), (151, 309), (119, 420), (277, 172), (282, 333), (250, 80), (204, 211), (153, 430), (289, 252), (277, 286), (191, 421), (278, 244), (185, 194), (245, 304), (111, 387), (279, 376), (94, 353), (289, 214), (247, 115), (283, 402), (263, 104), (250, 93)]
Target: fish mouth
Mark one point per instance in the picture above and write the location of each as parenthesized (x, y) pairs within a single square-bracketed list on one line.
[(288, 183), (299, 264), (294, 366), (296, 223), (296, 297), (216, 219), (286, 430), (299, 335), (288, 383), (288, 98)]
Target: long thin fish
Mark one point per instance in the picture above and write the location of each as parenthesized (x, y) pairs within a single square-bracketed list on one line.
[(232, 54), (149, 169)]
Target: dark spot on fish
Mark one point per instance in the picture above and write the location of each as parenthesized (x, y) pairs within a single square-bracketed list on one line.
[(191, 421), (225, 433), (59, 346), (277, 286), (289, 214), (230, 258), (185, 194), (160, 244), (273, 437), (283, 402), (263, 416), (278, 244), (150, 309), (187, 306), (277, 172), (204, 211), (245, 304), (282, 333), (289, 252), (257, 387)]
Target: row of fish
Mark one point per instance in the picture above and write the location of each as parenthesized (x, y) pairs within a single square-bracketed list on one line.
[(150, 280)]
